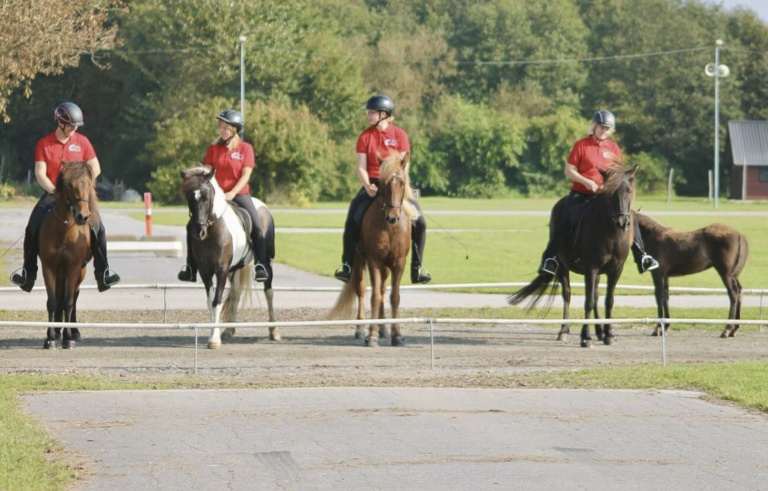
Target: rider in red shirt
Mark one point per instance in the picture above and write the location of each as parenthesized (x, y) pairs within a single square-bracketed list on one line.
[(63, 144), (376, 142), (234, 161), (587, 156)]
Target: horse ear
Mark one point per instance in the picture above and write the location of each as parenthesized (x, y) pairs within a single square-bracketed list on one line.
[(634, 169), (602, 172)]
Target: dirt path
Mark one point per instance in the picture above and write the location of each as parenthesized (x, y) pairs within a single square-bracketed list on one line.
[(319, 356)]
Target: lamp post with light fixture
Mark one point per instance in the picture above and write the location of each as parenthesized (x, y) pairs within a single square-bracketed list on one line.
[(717, 71)]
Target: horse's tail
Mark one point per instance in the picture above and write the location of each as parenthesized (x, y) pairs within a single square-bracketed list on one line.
[(242, 282), (345, 304), (743, 253), (535, 290)]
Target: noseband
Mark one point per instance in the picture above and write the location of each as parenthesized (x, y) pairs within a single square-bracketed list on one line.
[(71, 207)]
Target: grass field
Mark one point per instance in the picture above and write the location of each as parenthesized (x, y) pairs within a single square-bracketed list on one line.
[(497, 248)]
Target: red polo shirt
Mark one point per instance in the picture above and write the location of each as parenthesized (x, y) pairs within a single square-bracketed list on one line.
[(229, 164), (376, 144), (51, 151), (588, 155)]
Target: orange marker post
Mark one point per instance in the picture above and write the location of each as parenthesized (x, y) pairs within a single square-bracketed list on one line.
[(148, 214)]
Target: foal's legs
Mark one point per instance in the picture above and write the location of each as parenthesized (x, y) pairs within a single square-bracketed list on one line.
[(734, 312)]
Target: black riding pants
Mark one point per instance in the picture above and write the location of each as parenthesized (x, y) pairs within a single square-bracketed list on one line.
[(357, 209), (245, 202)]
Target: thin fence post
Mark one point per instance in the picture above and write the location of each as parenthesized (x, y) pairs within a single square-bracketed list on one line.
[(194, 326), (432, 342)]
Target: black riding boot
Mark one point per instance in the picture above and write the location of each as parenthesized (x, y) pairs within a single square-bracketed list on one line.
[(557, 239), (104, 277), (189, 271), (260, 273), (26, 276), (357, 208), (418, 241)]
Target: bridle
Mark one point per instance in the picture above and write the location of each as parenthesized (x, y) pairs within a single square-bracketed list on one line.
[(71, 207), (398, 207)]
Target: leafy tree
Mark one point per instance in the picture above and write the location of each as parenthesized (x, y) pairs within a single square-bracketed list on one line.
[(472, 149), (46, 36)]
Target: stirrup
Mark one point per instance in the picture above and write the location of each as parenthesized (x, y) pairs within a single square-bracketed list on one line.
[(549, 266), (23, 280), (344, 273), (106, 280), (260, 273), (419, 275), (186, 274), (648, 263)]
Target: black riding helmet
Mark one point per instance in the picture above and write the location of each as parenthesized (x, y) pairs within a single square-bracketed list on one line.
[(69, 113), (604, 117), (232, 117), (380, 103)]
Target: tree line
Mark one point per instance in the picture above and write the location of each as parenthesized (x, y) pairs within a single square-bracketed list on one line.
[(492, 93)]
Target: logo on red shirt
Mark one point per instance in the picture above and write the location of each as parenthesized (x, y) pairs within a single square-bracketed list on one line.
[(74, 147), (390, 142), (238, 156)]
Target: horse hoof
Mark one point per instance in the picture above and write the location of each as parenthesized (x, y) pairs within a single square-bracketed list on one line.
[(609, 340), (48, 344), (68, 344), (562, 337), (383, 332), (586, 343), (360, 333), (398, 341), (275, 337), (76, 336), (371, 342), (724, 334), (228, 334), (212, 345)]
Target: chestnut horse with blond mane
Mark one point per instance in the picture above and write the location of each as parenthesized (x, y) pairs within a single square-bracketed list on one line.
[(385, 233), (65, 248)]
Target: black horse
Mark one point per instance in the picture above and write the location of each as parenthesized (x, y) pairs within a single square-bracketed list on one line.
[(601, 244), (221, 250), (682, 253)]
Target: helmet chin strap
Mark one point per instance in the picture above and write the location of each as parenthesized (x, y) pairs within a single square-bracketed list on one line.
[(382, 119)]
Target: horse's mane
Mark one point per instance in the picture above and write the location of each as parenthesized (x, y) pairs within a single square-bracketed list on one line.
[(73, 171), (614, 175), (389, 166)]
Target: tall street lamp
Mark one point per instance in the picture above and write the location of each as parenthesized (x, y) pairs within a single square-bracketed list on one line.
[(242, 76), (717, 71)]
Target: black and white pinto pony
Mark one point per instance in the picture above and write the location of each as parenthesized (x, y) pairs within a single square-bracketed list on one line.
[(221, 249)]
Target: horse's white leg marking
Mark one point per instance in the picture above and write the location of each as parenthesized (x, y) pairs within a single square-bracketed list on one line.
[(274, 333), (214, 341)]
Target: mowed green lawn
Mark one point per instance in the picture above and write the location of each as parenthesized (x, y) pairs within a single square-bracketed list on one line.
[(497, 248)]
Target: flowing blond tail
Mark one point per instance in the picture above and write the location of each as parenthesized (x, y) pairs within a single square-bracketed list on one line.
[(345, 304), (242, 282)]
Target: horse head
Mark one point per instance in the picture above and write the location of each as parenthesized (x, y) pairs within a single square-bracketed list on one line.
[(619, 189), (75, 189), (199, 191), (395, 187)]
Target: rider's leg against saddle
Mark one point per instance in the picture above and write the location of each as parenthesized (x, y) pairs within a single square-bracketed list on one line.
[(105, 278), (26, 276), (557, 239), (418, 242), (189, 271), (355, 214), (644, 261), (260, 273)]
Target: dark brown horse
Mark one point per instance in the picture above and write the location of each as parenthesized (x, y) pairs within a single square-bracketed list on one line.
[(385, 234), (221, 249), (603, 239), (65, 247), (682, 253)]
